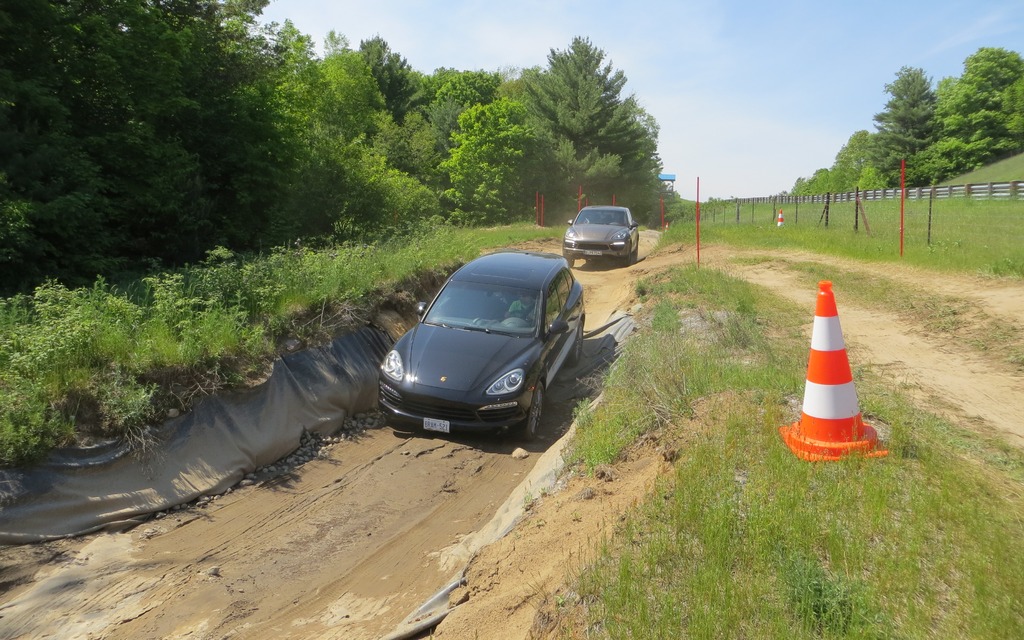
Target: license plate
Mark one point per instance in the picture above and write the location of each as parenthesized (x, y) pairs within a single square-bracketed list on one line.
[(430, 424), (591, 253)]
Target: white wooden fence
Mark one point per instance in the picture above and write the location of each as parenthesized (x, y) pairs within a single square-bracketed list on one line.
[(984, 190)]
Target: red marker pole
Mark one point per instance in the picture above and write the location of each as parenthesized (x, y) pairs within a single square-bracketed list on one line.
[(903, 197), (698, 221)]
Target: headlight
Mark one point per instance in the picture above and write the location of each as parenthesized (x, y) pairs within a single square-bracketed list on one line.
[(508, 383), (393, 366), (622, 235), (570, 234)]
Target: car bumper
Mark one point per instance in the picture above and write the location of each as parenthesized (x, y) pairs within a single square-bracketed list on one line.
[(585, 250), (411, 409)]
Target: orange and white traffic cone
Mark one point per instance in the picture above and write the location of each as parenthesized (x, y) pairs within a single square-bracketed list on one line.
[(780, 220), (830, 423)]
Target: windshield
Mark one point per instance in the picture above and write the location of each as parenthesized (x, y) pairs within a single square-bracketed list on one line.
[(486, 307), (602, 216)]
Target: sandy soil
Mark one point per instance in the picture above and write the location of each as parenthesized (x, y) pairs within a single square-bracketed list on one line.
[(349, 545)]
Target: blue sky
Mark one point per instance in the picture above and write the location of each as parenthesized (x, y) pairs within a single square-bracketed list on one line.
[(749, 96)]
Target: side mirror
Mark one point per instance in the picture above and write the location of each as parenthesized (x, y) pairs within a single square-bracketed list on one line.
[(569, 221), (558, 326), (421, 308)]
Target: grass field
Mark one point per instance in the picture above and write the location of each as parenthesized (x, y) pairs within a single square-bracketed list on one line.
[(958, 234), (744, 540), (1011, 168)]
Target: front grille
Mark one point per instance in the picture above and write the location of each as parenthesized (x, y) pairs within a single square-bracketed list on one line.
[(455, 413), (592, 246), (438, 411)]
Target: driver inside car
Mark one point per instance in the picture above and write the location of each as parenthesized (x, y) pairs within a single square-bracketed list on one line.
[(522, 307)]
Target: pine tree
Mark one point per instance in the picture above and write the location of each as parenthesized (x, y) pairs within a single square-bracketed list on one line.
[(601, 141), (907, 126)]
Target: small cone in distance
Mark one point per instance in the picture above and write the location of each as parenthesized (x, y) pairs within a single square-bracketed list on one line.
[(830, 424), (780, 219)]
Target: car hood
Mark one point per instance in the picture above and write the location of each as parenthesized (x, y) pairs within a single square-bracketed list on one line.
[(596, 232), (462, 360)]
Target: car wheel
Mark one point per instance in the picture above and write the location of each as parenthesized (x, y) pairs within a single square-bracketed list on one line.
[(577, 348), (571, 261), (528, 428), (635, 255)]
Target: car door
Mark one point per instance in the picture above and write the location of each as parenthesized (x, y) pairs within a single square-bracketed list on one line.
[(561, 303), (573, 304), (634, 230), (553, 303)]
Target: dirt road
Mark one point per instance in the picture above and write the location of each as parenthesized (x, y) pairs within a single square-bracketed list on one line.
[(350, 544)]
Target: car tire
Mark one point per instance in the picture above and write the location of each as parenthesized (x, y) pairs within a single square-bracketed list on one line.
[(528, 427), (635, 254), (571, 261)]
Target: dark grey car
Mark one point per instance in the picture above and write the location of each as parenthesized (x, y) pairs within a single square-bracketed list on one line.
[(602, 232), (486, 348)]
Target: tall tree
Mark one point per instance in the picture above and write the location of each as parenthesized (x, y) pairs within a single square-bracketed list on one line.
[(351, 177), (1014, 104), (350, 99), (228, 123), (819, 183), (52, 207), (488, 162), (451, 92), (601, 140), (444, 120), (907, 125), (410, 147), (394, 76), (132, 132), (975, 113), (470, 87), (851, 162)]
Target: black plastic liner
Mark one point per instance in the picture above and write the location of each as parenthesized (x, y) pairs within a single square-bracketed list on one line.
[(207, 451)]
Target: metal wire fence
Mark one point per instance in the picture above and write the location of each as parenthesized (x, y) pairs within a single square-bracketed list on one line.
[(980, 219), (984, 214)]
